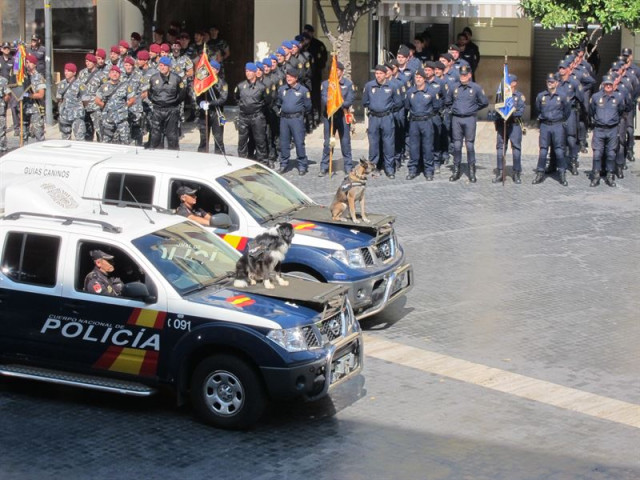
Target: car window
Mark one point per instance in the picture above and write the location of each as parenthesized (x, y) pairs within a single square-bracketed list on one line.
[(129, 187), (31, 258), (208, 200)]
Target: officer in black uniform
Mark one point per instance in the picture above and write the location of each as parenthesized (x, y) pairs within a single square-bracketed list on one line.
[(98, 280), (294, 102), (554, 108), (251, 98), (6, 71), (513, 131), (212, 103), (166, 92), (606, 107), (38, 51), (465, 99)]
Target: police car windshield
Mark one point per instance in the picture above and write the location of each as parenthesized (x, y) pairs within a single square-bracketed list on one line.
[(263, 194), (189, 257)]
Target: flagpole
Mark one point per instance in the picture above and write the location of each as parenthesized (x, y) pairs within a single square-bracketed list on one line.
[(504, 151), (21, 124), (331, 148)]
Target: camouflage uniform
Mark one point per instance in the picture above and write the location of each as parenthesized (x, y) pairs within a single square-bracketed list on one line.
[(92, 82), (115, 114), (34, 109), (69, 97), (147, 106), (4, 90), (136, 111)]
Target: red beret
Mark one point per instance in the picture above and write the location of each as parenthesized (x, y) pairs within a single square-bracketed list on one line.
[(165, 47), (115, 49), (32, 58), (101, 53), (71, 67), (123, 44), (155, 48), (91, 57), (130, 61), (143, 55), (115, 68)]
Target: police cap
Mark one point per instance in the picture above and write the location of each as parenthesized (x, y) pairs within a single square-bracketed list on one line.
[(5, 45), (626, 52), (430, 64), (454, 48), (392, 64), (421, 73), (292, 72), (446, 56), (99, 255), (512, 78), (309, 28), (439, 65), (36, 37), (564, 64), (185, 190), (381, 68), (465, 70), (607, 79), (403, 50), (136, 36), (551, 77), (340, 65)]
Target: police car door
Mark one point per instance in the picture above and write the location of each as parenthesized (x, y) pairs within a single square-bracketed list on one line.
[(104, 332)]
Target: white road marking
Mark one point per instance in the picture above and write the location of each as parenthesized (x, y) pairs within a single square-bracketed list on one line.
[(503, 381)]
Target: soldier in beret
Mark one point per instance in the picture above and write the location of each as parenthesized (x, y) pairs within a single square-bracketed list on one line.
[(69, 94)]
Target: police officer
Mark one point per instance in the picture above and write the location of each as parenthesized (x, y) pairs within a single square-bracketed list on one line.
[(627, 53), (147, 72), (340, 124), (403, 80), (605, 110), (380, 98), (5, 96), (465, 99), (437, 83), (166, 91), (136, 81), (318, 53), (572, 89), (513, 133), (294, 102), (33, 100), (6, 72), (251, 98), (98, 280), (91, 78), (114, 97), (212, 103), (301, 62), (421, 104), (69, 94), (554, 109), (188, 197), (38, 51)]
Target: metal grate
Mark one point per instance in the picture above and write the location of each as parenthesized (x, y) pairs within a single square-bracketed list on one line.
[(332, 327), (366, 255)]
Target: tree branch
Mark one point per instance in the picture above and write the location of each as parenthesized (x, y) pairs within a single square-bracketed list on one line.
[(323, 22)]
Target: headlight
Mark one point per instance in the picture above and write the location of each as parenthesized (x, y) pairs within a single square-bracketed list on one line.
[(351, 258), (291, 339)]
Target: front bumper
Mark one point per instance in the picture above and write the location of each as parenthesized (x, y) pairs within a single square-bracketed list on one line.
[(313, 380), (371, 295)]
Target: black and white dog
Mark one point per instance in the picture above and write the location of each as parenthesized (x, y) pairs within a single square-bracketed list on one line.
[(262, 259)]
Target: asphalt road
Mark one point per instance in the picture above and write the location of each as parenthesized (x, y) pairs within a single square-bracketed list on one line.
[(514, 357)]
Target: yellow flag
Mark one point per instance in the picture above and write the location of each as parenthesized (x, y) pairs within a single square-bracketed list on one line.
[(334, 93)]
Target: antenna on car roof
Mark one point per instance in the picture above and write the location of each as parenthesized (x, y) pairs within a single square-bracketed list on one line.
[(140, 206)]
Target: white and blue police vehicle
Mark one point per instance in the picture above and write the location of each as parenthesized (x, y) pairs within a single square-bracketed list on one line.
[(178, 322), (367, 258)]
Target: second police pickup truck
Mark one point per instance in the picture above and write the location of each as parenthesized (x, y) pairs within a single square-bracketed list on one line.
[(367, 258)]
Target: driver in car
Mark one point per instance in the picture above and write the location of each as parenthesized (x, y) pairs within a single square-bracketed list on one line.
[(188, 197), (98, 280)]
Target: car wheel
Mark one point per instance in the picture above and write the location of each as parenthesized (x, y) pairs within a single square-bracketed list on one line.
[(304, 276), (227, 393)]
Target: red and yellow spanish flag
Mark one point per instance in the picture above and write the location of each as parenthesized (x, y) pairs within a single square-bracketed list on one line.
[(204, 77), (334, 93)]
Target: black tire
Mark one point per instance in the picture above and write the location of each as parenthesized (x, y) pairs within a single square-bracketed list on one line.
[(227, 393), (304, 276)]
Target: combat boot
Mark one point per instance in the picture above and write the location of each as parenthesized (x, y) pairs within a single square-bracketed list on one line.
[(595, 180), (619, 171), (456, 173), (574, 166), (563, 178), (610, 180), (539, 178), (472, 173), (498, 177), (516, 178)]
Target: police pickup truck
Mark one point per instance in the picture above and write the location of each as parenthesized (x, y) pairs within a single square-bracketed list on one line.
[(367, 258), (175, 320)]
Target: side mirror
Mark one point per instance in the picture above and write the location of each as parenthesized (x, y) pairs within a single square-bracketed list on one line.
[(138, 291), (220, 220)]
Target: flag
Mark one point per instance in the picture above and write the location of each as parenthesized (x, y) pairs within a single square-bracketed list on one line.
[(205, 77), (19, 64), (334, 93), (505, 107)]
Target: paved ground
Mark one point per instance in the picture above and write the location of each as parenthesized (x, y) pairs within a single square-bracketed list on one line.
[(514, 357)]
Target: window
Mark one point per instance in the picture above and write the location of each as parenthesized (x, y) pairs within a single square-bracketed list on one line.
[(31, 258), (131, 188), (208, 200)]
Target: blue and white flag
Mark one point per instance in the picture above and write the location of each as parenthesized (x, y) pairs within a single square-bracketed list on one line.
[(506, 107)]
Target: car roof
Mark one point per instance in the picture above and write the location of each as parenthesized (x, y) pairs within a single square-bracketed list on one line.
[(82, 154)]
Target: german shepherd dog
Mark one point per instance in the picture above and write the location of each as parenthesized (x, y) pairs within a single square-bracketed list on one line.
[(262, 259), (352, 190)]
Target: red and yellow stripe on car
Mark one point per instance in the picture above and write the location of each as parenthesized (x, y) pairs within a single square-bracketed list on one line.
[(236, 241), (241, 301), (303, 225), (143, 317), (129, 360)]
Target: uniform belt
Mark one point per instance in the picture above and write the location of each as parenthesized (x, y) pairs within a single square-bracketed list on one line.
[(606, 126), (291, 115), (165, 107), (421, 118), (251, 114), (379, 114), (464, 116), (547, 122), (397, 109)]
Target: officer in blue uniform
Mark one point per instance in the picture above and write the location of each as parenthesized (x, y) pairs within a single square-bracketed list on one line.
[(605, 111), (632, 67), (554, 110), (403, 75), (465, 99), (293, 101), (421, 103), (624, 88), (380, 98), (340, 124), (514, 134), (572, 89)]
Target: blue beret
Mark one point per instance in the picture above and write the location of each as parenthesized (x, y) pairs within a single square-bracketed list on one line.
[(287, 44), (260, 65), (273, 57), (266, 61), (251, 67), (215, 64), (281, 52), (295, 43), (165, 61)]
